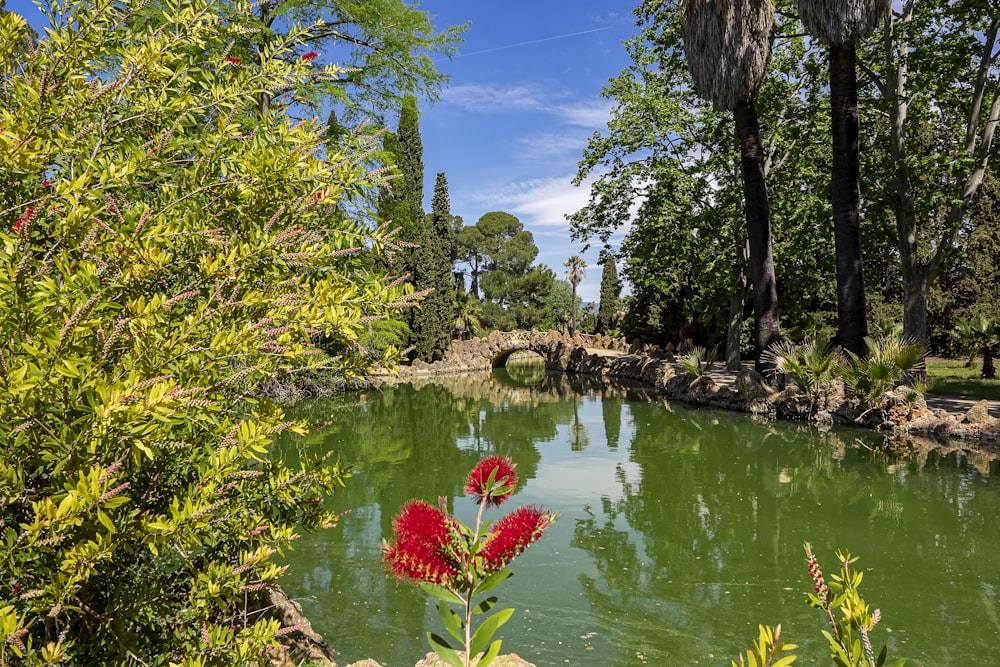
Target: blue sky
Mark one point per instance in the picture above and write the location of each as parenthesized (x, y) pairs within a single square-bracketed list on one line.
[(523, 99)]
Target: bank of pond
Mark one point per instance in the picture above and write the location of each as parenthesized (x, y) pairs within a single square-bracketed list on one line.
[(681, 528)]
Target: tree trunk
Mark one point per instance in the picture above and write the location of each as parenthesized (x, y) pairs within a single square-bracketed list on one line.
[(915, 287), (758, 219), (989, 370), (916, 275), (737, 301), (845, 197), (572, 312)]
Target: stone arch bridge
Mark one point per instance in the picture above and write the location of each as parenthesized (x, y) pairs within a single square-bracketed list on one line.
[(560, 352)]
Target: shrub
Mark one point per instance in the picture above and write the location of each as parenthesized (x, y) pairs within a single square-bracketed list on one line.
[(699, 361), (812, 365), (891, 360), (164, 248)]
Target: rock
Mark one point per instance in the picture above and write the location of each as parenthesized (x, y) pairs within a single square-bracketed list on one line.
[(365, 663), (300, 644), (509, 660), (979, 414), (752, 386)]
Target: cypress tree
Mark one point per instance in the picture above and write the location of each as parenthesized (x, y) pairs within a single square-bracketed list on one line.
[(401, 199), (410, 160), (434, 320), (611, 300)]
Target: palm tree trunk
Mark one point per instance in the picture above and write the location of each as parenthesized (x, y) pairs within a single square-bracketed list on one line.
[(572, 312), (989, 370), (758, 217), (845, 197)]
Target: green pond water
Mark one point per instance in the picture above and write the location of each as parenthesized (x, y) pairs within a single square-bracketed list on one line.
[(680, 529)]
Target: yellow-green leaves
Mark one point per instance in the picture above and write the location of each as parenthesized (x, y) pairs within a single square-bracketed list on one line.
[(766, 650), (162, 254)]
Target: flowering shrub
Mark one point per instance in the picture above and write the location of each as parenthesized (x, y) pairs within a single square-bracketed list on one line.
[(165, 247), (841, 594), (455, 563)]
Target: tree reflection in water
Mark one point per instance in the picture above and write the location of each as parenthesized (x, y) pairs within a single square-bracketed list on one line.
[(681, 529)]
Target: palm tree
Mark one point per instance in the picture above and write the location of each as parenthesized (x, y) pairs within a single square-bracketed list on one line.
[(728, 49), (979, 336), (575, 266), (841, 25)]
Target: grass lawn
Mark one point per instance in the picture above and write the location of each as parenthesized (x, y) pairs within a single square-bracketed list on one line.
[(950, 377)]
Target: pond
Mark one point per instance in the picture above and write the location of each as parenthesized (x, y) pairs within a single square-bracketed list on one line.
[(680, 529)]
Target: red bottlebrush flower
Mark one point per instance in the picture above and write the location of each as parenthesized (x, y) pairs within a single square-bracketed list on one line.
[(816, 574), (234, 60), (421, 553), (25, 217), (46, 183), (512, 534), (493, 480), (311, 55)]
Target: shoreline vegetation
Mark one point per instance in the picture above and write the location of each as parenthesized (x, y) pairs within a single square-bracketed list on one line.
[(904, 413)]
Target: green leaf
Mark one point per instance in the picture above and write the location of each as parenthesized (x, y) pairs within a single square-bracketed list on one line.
[(440, 593), (485, 631), (485, 605), (491, 653), (445, 652), (493, 581), (106, 521), (452, 621)]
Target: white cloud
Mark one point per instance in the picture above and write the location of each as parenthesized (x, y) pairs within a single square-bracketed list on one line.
[(540, 202), (589, 113), (483, 98)]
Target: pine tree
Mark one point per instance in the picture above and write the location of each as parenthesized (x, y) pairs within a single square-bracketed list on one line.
[(611, 300), (434, 320)]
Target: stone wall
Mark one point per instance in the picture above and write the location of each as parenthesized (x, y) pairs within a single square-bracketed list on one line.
[(744, 391)]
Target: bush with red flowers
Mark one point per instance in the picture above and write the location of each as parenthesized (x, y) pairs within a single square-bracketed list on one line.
[(456, 564)]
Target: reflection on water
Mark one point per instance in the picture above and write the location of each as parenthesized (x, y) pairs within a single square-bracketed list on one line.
[(680, 529)]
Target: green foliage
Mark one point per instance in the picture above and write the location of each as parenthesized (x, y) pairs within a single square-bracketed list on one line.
[(500, 252), (848, 636), (812, 364), (468, 315), (164, 249), (385, 47), (699, 361), (766, 648), (434, 320), (610, 310), (890, 360), (980, 335), (665, 148)]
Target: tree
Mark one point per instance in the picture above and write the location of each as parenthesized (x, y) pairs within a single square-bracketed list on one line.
[(665, 171), (386, 49), (575, 272), (470, 243), (936, 74), (842, 25), (611, 301), (165, 250), (980, 335), (559, 303), (434, 319), (500, 253), (728, 50)]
